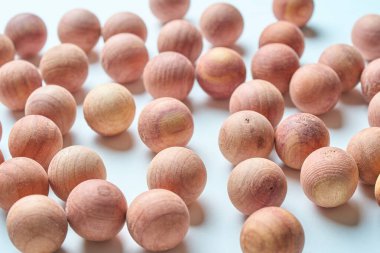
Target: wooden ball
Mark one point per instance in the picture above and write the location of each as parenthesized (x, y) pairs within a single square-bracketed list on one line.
[(377, 190), (179, 170), (96, 205), (244, 135), (167, 10), (256, 183), (298, 136), (1, 157), (20, 177), (165, 122), (272, 229), (283, 32), (374, 111), (169, 74), (364, 148), (275, 63), (72, 166), (80, 27), (7, 49), (346, 61), (37, 224), (329, 177), (298, 12), (65, 65), (28, 33), (366, 35), (222, 24), (370, 80), (158, 220), (124, 22), (220, 71), (18, 79), (36, 137), (109, 109), (55, 103), (182, 37), (124, 57), (259, 96), (315, 88)]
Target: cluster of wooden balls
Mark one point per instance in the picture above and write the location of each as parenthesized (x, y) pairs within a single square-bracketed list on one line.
[(158, 219)]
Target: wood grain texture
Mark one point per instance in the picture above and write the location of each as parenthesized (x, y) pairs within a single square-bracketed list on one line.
[(7, 49), (374, 111), (167, 10), (298, 12), (124, 22), (370, 80), (366, 35)]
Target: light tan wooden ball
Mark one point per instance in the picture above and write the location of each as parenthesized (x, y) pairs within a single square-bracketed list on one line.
[(167, 10), (370, 80), (124, 22), (365, 36), (374, 111), (298, 12), (7, 49)]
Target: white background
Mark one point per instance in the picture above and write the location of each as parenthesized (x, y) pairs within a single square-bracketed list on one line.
[(353, 227)]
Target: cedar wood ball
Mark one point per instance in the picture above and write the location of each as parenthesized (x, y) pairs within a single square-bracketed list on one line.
[(124, 22), (298, 12), (7, 49), (370, 80), (374, 111), (366, 35), (167, 10)]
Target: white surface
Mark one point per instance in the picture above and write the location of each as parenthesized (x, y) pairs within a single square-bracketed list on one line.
[(354, 227)]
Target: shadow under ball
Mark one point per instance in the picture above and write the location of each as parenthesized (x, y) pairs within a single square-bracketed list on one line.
[(259, 96), (298, 12), (18, 79), (329, 177), (221, 24), (179, 170), (275, 63), (72, 166), (37, 224), (35, 137), (158, 220), (28, 33), (53, 102), (374, 111), (297, 136), (256, 183), (124, 22), (244, 135), (219, 71), (167, 10), (7, 49), (366, 35), (80, 27), (20, 177), (96, 210), (65, 65), (272, 229), (315, 88), (182, 37), (370, 80), (124, 57), (365, 149), (109, 109)]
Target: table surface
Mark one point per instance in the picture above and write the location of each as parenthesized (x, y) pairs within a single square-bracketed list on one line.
[(215, 223)]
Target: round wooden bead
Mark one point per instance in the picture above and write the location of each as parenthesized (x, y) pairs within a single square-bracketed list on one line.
[(96, 210), (275, 63), (366, 35), (370, 80), (7, 49), (124, 57), (182, 37), (65, 65), (315, 88), (165, 122), (37, 224), (53, 102), (124, 22), (72, 166), (109, 109), (374, 111), (222, 24), (220, 71), (169, 74), (377, 190), (18, 79), (346, 61), (364, 148), (244, 135), (298, 12), (20, 177), (80, 27), (256, 183), (28, 33), (329, 177), (260, 96), (298, 136), (283, 32), (272, 229), (179, 170), (167, 10), (158, 220), (36, 137)]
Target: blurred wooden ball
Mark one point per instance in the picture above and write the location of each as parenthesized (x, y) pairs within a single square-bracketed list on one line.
[(167, 10), (7, 49), (124, 22), (298, 12), (374, 111), (370, 80), (366, 35)]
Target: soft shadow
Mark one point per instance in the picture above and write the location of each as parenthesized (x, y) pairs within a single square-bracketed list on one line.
[(238, 49), (17, 114), (353, 97), (93, 57), (197, 213), (309, 32), (218, 103), (288, 101), (347, 214), (368, 191), (80, 95), (121, 142), (3, 214), (290, 173), (136, 87), (61, 250), (182, 248), (188, 103), (35, 60), (67, 140), (112, 246), (333, 119)]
